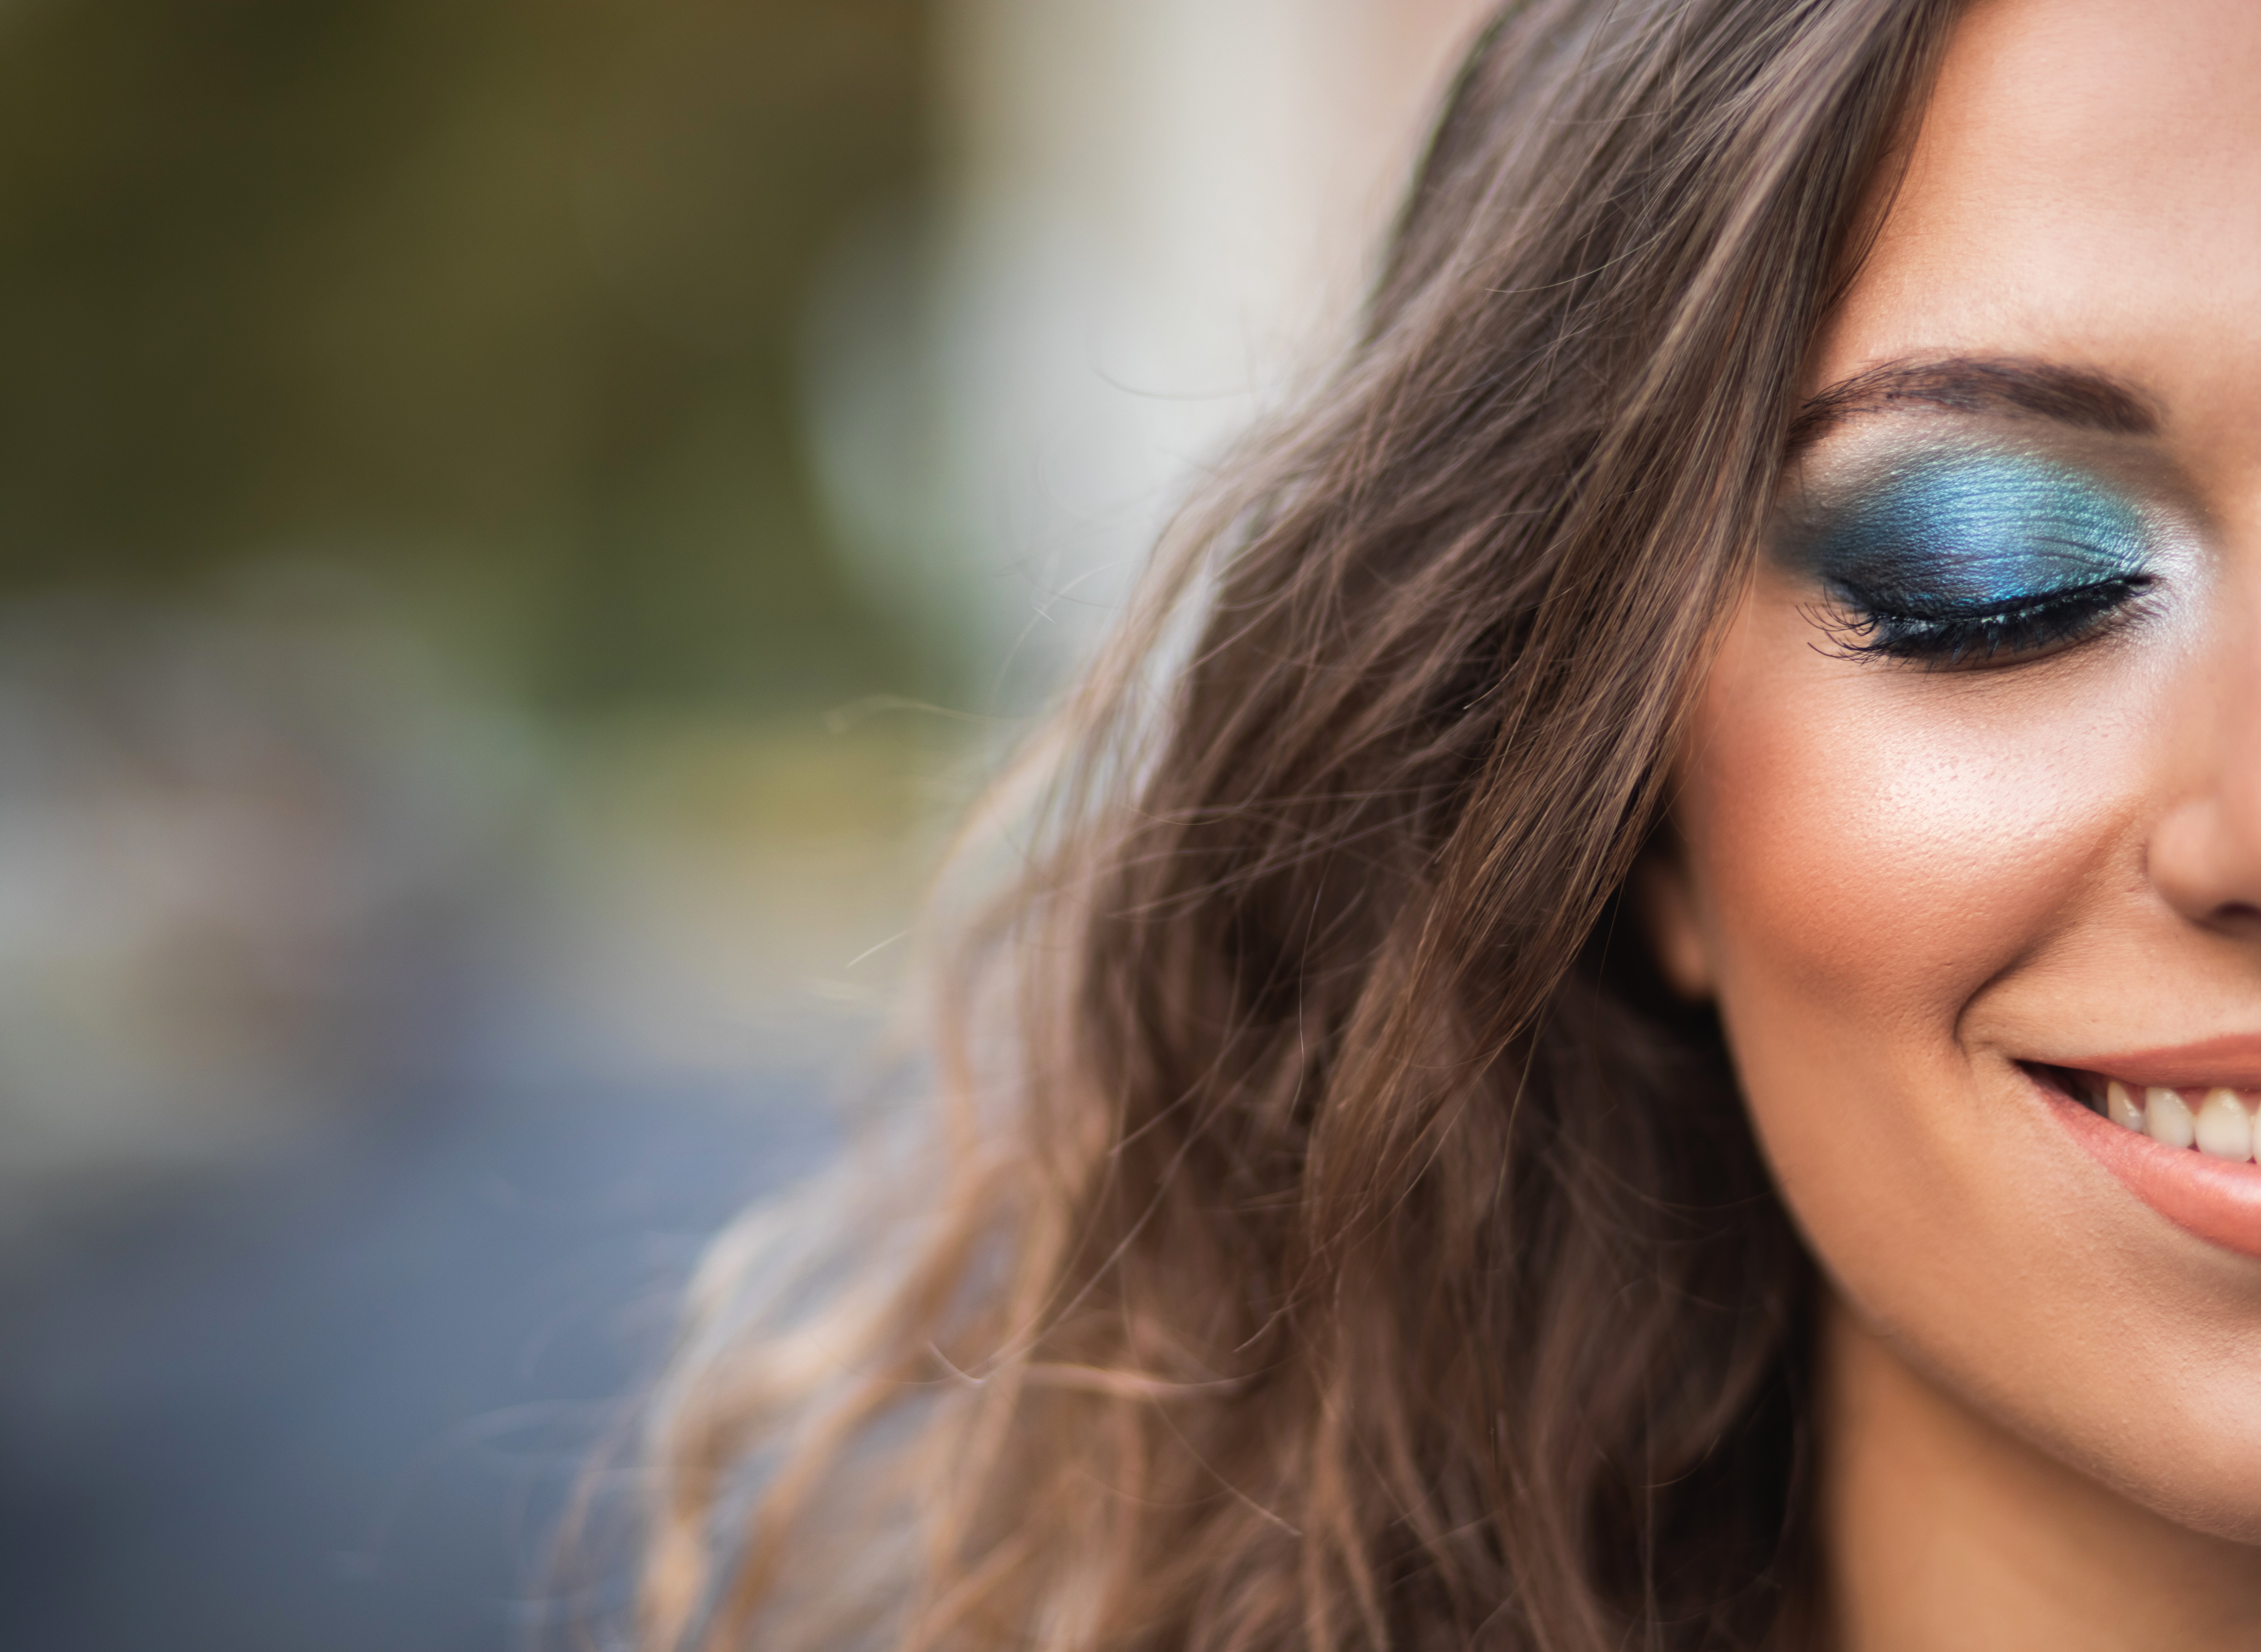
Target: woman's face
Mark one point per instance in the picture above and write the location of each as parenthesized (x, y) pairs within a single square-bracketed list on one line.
[(1971, 806)]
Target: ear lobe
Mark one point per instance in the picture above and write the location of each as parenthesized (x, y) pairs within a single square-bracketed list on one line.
[(1666, 906)]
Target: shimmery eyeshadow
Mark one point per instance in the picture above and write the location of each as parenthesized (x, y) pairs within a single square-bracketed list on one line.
[(1951, 535)]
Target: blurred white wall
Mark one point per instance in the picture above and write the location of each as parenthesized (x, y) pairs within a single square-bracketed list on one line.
[(1154, 217)]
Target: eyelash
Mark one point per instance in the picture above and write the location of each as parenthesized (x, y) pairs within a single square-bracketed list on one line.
[(1865, 626)]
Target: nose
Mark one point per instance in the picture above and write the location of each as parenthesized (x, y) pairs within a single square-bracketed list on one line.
[(2204, 855), (2206, 862)]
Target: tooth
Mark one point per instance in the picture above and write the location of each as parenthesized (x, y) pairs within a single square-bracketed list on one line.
[(2121, 1108), (2224, 1131), (2167, 1119)]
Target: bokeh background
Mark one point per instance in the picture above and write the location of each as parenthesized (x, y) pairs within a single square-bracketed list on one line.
[(522, 522)]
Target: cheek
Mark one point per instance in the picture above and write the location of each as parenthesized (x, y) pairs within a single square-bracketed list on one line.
[(1875, 850), (1873, 845), (1900, 880)]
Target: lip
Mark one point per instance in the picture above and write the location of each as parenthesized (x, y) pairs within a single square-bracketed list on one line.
[(2233, 1060), (2217, 1200)]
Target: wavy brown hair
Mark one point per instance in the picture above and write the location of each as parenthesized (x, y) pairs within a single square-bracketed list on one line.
[(1332, 1236)]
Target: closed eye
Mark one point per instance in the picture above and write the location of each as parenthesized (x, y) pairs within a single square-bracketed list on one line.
[(1866, 624)]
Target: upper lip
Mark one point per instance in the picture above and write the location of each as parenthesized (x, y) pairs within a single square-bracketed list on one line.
[(2232, 1062)]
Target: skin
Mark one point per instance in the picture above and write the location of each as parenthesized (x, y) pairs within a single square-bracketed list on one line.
[(2040, 1417)]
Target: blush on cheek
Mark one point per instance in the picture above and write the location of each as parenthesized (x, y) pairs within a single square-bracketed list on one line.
[(1871, 849), (1878, 847)]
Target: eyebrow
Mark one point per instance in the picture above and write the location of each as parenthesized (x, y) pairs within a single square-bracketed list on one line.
[(2070, 396)]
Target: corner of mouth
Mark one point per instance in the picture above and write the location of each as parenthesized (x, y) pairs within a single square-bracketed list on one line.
[(2187, 1151), (2220, 1121)]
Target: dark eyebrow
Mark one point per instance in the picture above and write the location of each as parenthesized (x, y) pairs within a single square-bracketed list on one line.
[(2066, 395)]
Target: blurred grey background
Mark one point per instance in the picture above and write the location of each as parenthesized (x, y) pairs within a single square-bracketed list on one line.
[(520, 526)]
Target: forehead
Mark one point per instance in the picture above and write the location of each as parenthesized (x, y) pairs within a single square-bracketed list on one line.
[(2085, 187)]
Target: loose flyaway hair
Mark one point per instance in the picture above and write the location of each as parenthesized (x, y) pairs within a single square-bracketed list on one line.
[(1331, 1235)]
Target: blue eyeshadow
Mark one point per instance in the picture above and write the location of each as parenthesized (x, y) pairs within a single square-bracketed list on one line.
[(1969, 534)]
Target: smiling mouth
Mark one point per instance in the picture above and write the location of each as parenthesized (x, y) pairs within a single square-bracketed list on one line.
[(2215, 1120), (2185, 1150)]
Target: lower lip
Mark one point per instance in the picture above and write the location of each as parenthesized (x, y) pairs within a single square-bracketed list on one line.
[(2218, 1200)]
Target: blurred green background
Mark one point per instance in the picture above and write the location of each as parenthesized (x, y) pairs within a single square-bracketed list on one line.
[(411, 541), (497, 302), (448, 854)]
